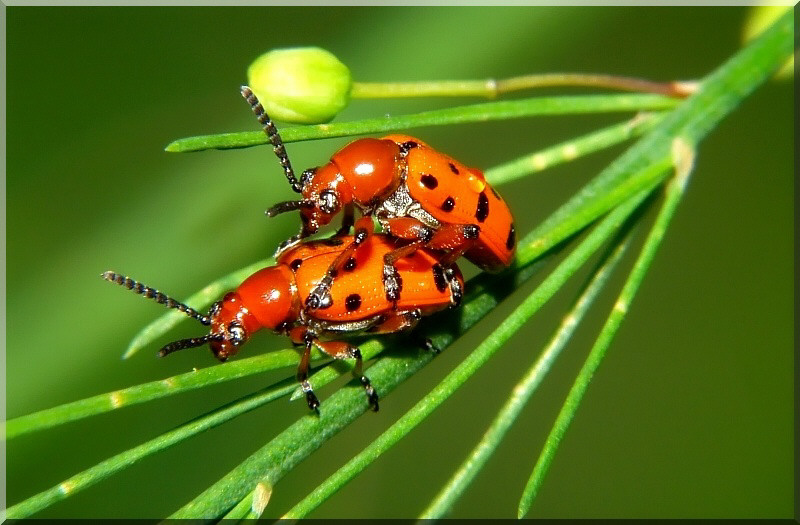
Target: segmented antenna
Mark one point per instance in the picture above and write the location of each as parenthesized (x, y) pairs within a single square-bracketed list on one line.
[(191, 342), (273, 136), (150, 293)]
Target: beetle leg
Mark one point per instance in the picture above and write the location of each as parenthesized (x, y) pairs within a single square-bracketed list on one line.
[(428, 345), (406, 320), (405, 228), (341, 350), (397, 321), (348, 219), (456, 289), (453, 239), (294, 240), (320, 296), (392, 281), (302, 373)]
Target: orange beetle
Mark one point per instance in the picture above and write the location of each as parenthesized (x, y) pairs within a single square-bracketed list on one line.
[(415, 192), (273, 298)]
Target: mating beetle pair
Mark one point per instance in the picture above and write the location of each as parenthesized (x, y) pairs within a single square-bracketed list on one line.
[(432, 210)]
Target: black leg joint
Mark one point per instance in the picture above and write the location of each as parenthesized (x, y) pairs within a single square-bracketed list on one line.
[(426, 234), (471, 231), (313, 402), (372, 395), (360, 236), (430, 347), (312, 302)]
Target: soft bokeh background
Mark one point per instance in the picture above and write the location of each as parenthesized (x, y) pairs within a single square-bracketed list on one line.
[(691, 413)]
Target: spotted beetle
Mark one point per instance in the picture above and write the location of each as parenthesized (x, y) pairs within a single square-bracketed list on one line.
[(416, 193), (273, 298)]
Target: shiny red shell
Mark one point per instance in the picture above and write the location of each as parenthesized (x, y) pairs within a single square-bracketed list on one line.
[(456, 194), (357, 291), (401, 177)]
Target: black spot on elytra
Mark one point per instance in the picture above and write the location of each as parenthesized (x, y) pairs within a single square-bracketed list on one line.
[(448, 204), (350, 264), (429, 181), (482, 211), (453, 168), (352, 302), (294, 265), (438, 277), (512, 238)]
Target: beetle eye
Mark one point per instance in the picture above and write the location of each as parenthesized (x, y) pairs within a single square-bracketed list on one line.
[(328, 203), (236, 334)]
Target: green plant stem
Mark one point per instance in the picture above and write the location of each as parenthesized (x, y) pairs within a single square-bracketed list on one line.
[(523, 390), (718, 95), (487, 111), (572, 149), (450, 384), (491, 88), (149, 391), (106, 468), (674, 192)]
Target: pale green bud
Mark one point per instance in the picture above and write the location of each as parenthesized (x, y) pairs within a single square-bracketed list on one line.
[(304, 84)]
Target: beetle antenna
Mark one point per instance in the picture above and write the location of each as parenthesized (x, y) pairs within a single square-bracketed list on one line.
[(273, 136), (151, 293), (191, 342), (285, 206)]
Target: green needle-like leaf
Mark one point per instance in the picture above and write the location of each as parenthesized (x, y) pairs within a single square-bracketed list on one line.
[(675, 190), (106, 468), (523, 390), (500, 110), (718, 95), (149, 391), (572, 149)]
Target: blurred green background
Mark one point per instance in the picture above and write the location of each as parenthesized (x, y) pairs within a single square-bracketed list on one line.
[(691, 413)]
